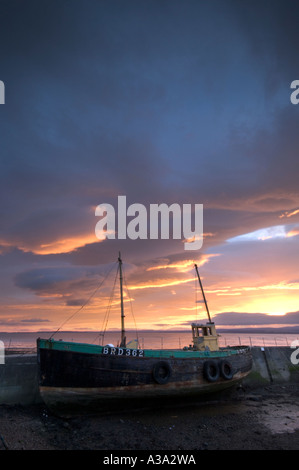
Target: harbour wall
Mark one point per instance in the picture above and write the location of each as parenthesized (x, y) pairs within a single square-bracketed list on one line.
[(19, 380), (273, 365), (19, 373)]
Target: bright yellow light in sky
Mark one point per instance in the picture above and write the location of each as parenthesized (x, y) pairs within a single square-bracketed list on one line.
[(279, 304), (274, 300)]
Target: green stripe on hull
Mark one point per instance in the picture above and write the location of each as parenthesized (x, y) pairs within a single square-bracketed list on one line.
[(159, 353)]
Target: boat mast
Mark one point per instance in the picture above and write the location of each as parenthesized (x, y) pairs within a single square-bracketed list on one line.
[(123, 337), (203, 294)]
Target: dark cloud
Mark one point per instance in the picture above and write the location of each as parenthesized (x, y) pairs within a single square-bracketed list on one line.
[(160, 101), (243, 319), (49, 281), (34, 320), (233, 318), (75, 302)]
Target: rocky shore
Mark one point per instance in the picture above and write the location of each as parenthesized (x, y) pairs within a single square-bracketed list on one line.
[(260, 419)]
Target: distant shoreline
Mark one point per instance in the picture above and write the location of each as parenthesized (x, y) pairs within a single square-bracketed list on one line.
[(284, 330), (246, 330)]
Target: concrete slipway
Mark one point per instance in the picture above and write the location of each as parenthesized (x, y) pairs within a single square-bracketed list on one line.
[(19, 373)]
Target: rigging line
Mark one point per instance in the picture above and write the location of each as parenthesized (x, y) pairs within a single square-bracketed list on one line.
[(196, 292), (196, 303), (131, 305), (82, 306), (106, 317)]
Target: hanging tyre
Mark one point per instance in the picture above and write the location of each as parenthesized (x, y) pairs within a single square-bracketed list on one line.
[(211, 371), (161, 372), (226, 370)]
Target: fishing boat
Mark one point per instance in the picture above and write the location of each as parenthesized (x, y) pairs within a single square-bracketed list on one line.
[(76, 375)]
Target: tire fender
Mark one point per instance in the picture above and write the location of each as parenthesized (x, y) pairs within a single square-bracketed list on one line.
[(226, 370), (162, 372), (211, 371)]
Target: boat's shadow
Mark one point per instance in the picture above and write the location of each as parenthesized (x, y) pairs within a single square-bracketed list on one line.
[(156, 404)]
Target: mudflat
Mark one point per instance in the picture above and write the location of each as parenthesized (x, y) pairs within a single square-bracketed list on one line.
[(261, 419)]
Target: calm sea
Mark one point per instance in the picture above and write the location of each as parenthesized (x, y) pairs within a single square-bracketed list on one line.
[(148, 339)]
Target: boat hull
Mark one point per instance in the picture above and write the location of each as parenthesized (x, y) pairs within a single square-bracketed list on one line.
[(76, 376)]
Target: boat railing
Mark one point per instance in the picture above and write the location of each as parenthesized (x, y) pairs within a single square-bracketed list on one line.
[(230, 340)]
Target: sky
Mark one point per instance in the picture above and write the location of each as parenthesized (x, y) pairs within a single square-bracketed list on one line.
[(173, 102)]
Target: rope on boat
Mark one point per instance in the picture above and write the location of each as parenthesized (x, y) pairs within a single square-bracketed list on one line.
[(106, 317), (131, 306), (82, 306)]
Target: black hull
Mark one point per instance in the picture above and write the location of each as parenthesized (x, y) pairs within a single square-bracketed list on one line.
[(69, 378)]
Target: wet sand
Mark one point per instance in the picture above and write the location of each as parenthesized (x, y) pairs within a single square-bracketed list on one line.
[(259, 419)]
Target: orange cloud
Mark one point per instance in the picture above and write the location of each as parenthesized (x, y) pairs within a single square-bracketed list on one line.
[(293, 233), (183, 266), (63, 245), (289, 214), (231, 290), (161, 284)]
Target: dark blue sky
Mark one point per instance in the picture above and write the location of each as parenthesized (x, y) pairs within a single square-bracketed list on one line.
[(161, 101)]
